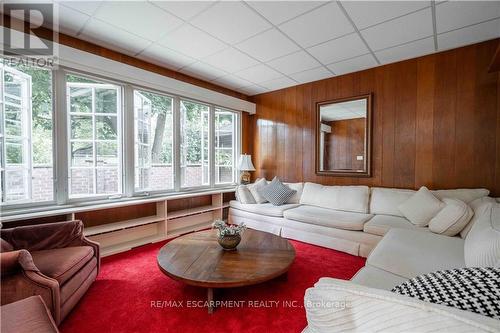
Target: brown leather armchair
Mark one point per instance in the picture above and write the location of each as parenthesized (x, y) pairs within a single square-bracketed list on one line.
[(52, 260)]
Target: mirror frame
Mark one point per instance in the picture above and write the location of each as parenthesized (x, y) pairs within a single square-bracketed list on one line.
[(368, 138)]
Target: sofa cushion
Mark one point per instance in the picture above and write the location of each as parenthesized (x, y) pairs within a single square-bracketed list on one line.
[(29, 315), (421, 207), (276, 192), (478, 206), (254, 189), (482, 244), (346, 198), (410, 253), (5, 246), (380, 224), (267, 208), (386, 200), (452, 218), (62, 264), (327, 217), (244, 195), (295, 198), (466, 195), (374, 277)]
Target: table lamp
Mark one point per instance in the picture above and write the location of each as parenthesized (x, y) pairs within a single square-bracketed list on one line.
[(245, 165)]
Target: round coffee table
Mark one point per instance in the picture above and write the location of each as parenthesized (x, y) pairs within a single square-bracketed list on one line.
[(197, 259)]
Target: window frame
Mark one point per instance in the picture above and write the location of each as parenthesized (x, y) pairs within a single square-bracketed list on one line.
[(236, 147), (61, 159)]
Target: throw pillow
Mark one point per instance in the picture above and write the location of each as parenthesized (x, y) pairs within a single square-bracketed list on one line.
[(471, 289), (254, 190), (421, 207), (276, 192), (244, 195), (452, 218)]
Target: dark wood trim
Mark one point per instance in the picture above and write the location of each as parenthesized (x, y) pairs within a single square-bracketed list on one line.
[(102, 51), (368, 140), (495, 62)]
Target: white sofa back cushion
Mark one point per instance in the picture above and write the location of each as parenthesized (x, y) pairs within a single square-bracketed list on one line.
[(466, 195), (482, 244), (298, 187), (386, 200), (477, 206), (347, 198), (452, 218), (244, 195)]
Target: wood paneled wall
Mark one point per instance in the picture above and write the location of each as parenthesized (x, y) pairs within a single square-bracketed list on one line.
[(436, 122), (345, 142)]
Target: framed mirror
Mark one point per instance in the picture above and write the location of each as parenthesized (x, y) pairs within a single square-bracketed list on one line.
[(343, 137)]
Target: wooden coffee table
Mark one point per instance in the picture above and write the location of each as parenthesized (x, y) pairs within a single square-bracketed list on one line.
[(197, 259)]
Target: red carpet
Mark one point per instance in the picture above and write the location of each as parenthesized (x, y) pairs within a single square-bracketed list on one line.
[(120, 299)]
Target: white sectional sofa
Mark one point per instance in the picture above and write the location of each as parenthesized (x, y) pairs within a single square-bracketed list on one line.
[(351, 219), (367, 222)]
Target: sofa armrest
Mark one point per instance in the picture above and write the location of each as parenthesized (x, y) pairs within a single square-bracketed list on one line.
[(338, 306), (13, 262), (96, 247), (45, 236)]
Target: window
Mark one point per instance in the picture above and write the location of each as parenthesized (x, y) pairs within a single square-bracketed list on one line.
[(225, 146), (194, 145), (26, 134), (94, 137), (153, 129)]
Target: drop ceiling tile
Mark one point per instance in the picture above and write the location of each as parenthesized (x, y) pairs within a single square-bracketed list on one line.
[(110, 36), (203, 71), (315, 74), (183, 9), (457, 14), (268, 45), (339, 49), (279, 83), (141, 18), (279, 11), (182, 40), (230, 21), (252, 90), (353, 65), (259, 73), (165, 57), (368, 13), (232, 82), (319, 25), (401, 30), (230, 60), (296, 62), (86, 7), (474, 34), (69, 21), (406, 51)]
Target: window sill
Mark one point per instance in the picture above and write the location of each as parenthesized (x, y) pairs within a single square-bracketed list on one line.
[(43, 211)]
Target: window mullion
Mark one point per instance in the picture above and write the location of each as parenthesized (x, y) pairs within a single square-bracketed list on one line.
[(211, 145), (128, 141), (61, 145), (177, 143)]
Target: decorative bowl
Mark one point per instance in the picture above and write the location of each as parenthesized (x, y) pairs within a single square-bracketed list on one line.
[(229, 242)]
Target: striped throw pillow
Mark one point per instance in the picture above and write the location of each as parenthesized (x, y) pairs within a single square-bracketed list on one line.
[(276, 192)]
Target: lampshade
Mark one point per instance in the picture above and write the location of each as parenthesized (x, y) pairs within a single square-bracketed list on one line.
[(245, 163)]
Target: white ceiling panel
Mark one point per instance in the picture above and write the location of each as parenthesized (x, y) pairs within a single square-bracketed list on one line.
[(457, 14), (339, 49), (232, 81), (203, 71), (293, 63), (368, 13), (163, 56), (259, 73), (312, 75), (279, 83), (268, 45), (406, 51), (69, 21), (230, 60), (85, 7), (469, 35), (353, 65), (183, 9), (280, 11), (102, 33), (401, 30), (124, 15), (192, 42), (319, 25), (252, 90), (230, 21)]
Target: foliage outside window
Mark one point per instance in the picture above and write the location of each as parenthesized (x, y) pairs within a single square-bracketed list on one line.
[(225, 146)]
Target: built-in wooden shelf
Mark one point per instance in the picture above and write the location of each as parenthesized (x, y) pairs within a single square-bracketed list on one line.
[(185, 230), (129, 245), (109, 227), (191, 211)]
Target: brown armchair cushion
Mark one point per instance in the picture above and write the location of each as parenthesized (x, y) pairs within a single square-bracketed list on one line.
[(5, 246), (29, 315), (62, 264)]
